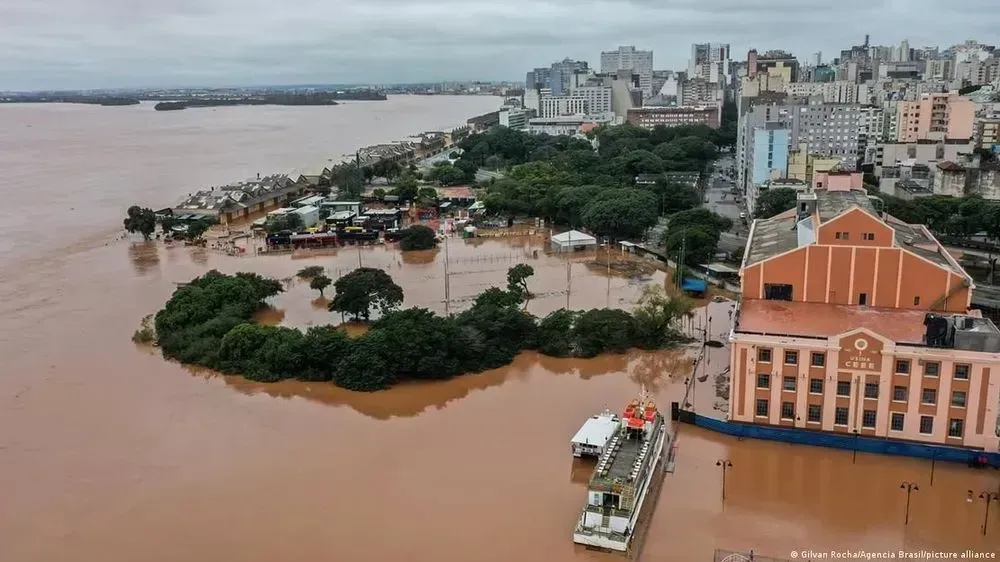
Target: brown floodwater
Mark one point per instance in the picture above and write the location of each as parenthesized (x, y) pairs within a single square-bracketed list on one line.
[(108, 452)]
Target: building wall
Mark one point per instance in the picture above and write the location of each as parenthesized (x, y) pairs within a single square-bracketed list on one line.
[(859, 358), (838, 181), (650, 117), (555, 106), (839, 273), (770, 152), (598, 98), (936, 116)]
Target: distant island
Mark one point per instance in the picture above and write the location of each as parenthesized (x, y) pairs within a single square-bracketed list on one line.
[(89, 100), (325, 98), (174, 100)]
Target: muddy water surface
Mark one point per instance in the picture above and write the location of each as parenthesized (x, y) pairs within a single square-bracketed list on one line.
[(108, 452)]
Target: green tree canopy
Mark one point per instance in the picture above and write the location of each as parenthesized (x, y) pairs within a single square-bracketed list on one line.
[(773, 202), (320, 283), (141, 220), (517, 279), (602, 330), (620, 213), (363, 290), (417, 237)]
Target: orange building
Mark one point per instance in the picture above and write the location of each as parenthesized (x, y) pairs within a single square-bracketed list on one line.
[(855, 322)]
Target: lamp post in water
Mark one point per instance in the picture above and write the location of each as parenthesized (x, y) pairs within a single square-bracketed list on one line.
[(854, 459), (987, 497), (725, 464), (910, 487)]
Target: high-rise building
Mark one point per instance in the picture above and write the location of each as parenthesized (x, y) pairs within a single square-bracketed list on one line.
[(938, 116), (556, 106), (710, 61), (752, 63), (562, 73), (628, 58)]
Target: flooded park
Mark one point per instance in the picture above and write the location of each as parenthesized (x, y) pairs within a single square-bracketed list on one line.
[(110, 453), (113, 453)]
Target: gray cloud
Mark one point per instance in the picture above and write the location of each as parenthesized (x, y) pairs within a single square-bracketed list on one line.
[(125, 43)]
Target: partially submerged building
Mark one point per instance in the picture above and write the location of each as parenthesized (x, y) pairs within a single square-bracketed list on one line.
[(237, 201), (855, 323)]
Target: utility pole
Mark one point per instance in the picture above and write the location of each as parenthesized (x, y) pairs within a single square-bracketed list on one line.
[(609, 275), (569, 269), (447, 280), (680, 261)]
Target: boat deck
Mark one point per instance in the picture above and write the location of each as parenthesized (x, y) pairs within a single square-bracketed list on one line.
[(619, 461)]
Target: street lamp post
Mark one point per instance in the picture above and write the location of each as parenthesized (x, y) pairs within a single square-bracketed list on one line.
[(987, 497), (854, 459), (910, 487), (725, 464)]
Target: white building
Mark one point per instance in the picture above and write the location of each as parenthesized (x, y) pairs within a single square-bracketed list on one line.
[(571, 241), (628, 58), (309, 215), (840, 91), (555, 106), (515, 117), (597, 98)]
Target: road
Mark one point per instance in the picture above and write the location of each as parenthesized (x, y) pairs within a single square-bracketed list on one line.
[(720, 198)]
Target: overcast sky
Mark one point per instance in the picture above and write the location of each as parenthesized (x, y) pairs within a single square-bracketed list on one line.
[(137, 43)]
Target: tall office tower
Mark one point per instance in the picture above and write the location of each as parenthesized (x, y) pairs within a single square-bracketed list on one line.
[(709, 61), (628, 58)]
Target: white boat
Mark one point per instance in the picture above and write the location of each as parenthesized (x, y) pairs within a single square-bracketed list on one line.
[(595, 433), (631, 459)]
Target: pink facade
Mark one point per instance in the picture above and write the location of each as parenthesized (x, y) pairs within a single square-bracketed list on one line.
[(936, 117), (838, 181), (860, 381), (854, 322)]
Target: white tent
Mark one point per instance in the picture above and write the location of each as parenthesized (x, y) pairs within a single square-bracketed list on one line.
[(571, 241)]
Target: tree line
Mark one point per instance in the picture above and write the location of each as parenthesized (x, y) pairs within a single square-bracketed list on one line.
[(208, 322), (569, 182)]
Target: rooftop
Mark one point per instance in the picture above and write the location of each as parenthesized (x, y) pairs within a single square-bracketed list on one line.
[(779, 234), (821, 320), (622, 456), (238, 195), (970, 332)]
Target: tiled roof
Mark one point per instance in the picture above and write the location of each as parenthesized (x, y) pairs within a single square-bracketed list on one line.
[(779, 234), (824, 320)]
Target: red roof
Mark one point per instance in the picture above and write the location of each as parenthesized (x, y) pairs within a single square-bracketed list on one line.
[(455, 193)]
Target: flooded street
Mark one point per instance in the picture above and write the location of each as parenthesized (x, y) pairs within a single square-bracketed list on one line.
[(110, 453)]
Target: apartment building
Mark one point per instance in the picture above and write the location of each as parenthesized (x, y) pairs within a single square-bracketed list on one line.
[(597, 98), (699, 91), (988, 133), (936, 116), (710, 62), (831, 130), (628, 58), (840, 91), (649, 117), (853, 322), (554, 106)]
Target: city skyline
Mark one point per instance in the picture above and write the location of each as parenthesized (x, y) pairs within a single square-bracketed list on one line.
[(64, 44)]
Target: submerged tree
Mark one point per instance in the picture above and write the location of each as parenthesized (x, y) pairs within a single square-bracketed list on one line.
[(320, 283), (656, 317), (417, 237), (365, 289), (141, 220), (517, 279)]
